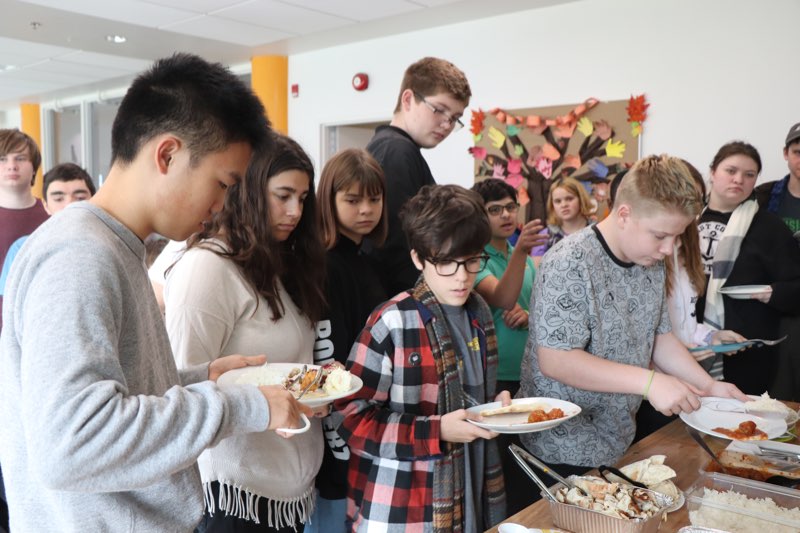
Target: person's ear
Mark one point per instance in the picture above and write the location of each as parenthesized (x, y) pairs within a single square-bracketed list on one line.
[(166, 149), (623, 214), (405, 99), (416, 260)]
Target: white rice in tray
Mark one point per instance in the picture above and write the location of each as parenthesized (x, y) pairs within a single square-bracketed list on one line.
[(735, 512)]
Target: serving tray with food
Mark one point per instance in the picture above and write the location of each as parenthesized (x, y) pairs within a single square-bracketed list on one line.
[(318, 385), (524, 415), (655, 475)]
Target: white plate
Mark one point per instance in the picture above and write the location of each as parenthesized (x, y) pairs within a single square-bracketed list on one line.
[(513, 423), (253, 375), (743, 292), (718, 413)]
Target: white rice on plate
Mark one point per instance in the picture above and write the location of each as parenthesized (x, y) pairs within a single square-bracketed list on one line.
[(742, 521), (264, 375)]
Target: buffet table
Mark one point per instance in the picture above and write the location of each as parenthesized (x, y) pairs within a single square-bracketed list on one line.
[(683, 455)]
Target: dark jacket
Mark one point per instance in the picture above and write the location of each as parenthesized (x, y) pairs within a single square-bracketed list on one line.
[(769, 194), (406, 173)]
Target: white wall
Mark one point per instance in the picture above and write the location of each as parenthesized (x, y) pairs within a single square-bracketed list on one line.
[(11, 119), (713, 71)]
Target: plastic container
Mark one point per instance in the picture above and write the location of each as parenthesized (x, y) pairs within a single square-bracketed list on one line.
[(698, 529), (580, 520), (708, 511)]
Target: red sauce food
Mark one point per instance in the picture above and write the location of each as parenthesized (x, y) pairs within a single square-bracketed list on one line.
[(539, 415), (747, 430)]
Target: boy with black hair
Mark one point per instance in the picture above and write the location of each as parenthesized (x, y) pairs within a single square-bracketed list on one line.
[(100, 430), (425, 356), (64, 184), (432, 99)]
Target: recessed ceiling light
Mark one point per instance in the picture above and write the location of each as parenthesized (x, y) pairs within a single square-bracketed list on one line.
[(116, 39), (6, 68)]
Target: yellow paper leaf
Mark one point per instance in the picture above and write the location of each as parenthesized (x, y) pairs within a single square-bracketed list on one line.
[(496, 137), (585, 126), (615, 149)]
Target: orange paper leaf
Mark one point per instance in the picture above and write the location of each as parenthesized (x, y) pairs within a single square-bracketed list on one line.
[(476, 122), (522, 196), (550, 152), (637, 109), (571, 161)]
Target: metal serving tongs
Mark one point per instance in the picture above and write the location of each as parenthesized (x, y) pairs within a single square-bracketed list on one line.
[(523, 457)]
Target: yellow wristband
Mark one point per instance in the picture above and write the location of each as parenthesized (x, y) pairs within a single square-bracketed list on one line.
[(649, 382)]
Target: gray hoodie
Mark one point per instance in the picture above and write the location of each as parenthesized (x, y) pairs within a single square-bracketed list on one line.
[(98, 429)]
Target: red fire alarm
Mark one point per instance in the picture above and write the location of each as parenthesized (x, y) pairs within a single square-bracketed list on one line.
[(360, 81), (295, 90)]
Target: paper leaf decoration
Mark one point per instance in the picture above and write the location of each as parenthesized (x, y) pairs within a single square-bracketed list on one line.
[(514, 166), (550, 152), (499, 171), (518, 150), (598, 168), (476, 122), (544, 166), (478, 152), (477, 138), (511, 130), (637, 109), (603, 129), (636, 129), (496, 137), (615, 149), (564, 131), (585, 126), (522, 196), (515, 180), (571, 161)]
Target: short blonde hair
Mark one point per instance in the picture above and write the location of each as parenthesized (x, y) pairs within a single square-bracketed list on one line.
[(660, 182), (573, 186)]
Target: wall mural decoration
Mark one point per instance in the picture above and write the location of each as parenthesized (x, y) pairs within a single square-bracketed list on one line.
[(530, 148)]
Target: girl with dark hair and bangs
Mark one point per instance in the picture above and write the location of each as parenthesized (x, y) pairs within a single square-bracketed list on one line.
[(742, 245), (251, 282), (352, 212)]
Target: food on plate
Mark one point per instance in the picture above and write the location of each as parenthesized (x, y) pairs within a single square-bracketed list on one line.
[(335, 379), (767, 405), (540, 415), (614, 499), (710, 514), (654, 474), (520, 407), (747, 430)]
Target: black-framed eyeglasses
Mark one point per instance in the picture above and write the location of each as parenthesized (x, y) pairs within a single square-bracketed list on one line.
[(448, 267), (495, 210), (447, 118)]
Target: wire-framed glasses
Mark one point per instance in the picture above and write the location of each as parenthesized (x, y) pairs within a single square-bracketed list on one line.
[(447, 118)]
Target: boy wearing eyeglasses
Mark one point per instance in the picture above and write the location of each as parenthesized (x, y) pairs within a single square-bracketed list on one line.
[(425, 356), (432, 99)]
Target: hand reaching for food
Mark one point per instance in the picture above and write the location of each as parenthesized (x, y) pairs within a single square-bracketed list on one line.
[(671, 396), (454, 427)]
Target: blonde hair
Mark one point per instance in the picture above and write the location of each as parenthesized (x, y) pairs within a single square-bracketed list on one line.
[(660, 183), (689, 251), (572, 185)]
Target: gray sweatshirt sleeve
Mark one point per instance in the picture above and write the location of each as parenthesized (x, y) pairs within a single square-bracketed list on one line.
[(100, 396)]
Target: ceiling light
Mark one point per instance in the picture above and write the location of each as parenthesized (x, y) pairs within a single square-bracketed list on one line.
[(6, 68), (116, 39)]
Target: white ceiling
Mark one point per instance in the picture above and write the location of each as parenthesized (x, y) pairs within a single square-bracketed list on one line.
[(56, 48)]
